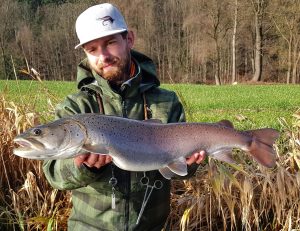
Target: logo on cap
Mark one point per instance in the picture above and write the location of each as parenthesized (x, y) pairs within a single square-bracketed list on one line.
[(106, 20)]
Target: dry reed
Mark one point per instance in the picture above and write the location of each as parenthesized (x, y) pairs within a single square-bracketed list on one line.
[(27, 202), (223, 197)]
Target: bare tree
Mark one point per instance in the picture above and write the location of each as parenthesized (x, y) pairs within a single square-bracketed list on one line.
[(191, 40), (233, 77), (259, 7), (286, 20), (8, 10), (219, 24)]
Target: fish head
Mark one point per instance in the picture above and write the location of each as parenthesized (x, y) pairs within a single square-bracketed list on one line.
[(56, 140)]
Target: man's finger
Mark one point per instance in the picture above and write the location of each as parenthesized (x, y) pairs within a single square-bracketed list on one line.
[(102, 160), (91, 160), (197, 157), (78, 160), (192, 159), (201, 157), (108, 159)]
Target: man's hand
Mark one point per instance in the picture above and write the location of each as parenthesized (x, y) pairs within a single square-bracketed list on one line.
[(98, 161), (196, 157), (92, 160)]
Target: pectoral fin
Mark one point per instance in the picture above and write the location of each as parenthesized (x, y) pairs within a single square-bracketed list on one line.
[(223, 155), (178, 167), (99, 149), (166, 173)]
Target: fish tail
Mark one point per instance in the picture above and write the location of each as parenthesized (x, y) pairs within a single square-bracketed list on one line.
[(261, 147)]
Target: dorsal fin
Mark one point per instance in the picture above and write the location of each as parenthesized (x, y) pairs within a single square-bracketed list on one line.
[(225, 123)]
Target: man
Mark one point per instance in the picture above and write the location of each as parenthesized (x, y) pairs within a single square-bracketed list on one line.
[(114, 80)]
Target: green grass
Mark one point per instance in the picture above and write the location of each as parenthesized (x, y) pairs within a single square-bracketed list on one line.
[(248, 106), (260, 105), (15, 89), (42, 96)]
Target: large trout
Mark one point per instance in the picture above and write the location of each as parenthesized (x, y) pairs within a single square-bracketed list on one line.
[(143, 145)]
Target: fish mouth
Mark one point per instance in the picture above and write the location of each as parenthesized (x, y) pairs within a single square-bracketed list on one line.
[(26, 147)]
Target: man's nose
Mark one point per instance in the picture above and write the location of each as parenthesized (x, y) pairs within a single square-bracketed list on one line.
[(103, 54)]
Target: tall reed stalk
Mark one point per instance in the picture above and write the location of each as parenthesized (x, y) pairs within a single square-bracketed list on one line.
[(27, 202)]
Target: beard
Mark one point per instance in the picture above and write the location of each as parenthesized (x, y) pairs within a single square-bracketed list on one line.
[(119, 72)]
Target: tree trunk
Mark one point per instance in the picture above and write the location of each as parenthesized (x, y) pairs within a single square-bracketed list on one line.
[(217, 71), (233, 77), (218, 60), (295, 69), (4, 60), (258, 48), (295, 60), (289, 64)]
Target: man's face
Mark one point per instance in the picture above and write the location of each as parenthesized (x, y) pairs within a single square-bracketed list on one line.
[(110, 56)]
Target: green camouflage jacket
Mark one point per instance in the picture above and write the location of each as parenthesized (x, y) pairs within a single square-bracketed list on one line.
[(91, 190)]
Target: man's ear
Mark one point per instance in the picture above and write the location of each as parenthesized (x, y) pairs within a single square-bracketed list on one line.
[(130, 39)]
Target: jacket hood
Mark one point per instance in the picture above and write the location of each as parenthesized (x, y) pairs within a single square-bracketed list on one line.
[(147, 68)]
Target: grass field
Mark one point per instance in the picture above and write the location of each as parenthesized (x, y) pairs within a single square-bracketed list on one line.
[(253, 105), (246, 105)]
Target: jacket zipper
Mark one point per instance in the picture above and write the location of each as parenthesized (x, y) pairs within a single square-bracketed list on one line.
[(127, 178)]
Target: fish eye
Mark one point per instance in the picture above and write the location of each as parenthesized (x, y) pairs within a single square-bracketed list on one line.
[(37, 132)]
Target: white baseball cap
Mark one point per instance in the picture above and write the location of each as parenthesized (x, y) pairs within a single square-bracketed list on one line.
[(99, 21)]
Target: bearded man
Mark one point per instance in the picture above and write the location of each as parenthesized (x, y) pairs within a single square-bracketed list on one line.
[(114, 79)]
